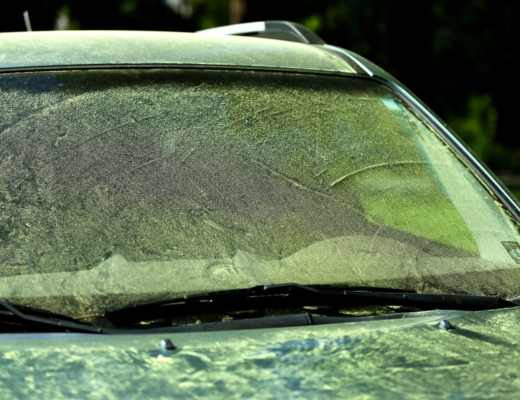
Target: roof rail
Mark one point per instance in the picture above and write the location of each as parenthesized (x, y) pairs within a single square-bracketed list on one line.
[(280, 30)]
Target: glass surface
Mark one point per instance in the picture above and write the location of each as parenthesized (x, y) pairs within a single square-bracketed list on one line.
[(120, 187)]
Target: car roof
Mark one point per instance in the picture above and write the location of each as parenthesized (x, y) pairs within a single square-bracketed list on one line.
[(101, 48)]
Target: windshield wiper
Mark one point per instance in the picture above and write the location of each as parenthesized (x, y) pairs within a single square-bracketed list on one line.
[(296, 295), (35, 320)]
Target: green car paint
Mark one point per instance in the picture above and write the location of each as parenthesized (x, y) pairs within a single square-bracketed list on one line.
[(404, 358)]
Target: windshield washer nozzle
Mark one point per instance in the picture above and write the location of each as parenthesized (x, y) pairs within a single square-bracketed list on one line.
[(446, 325), (167, 345)]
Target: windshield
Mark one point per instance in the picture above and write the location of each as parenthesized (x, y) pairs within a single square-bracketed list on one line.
[(126, 186)]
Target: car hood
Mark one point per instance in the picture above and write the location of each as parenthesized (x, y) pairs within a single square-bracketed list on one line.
[(408, 357)]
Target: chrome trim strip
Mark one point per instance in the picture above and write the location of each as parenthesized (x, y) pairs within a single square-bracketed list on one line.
[(298, 33), (340, 50)]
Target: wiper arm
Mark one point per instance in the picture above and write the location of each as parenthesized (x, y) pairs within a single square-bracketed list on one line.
[(399, 298), (296, 295), (41, 320)]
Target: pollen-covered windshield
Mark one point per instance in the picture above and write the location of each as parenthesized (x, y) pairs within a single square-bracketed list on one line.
[(121, 186)]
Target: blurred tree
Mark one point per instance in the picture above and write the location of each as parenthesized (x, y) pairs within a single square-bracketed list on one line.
[(237, 9), (502, 56)]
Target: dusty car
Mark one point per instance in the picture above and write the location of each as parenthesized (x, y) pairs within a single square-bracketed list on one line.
[(216, 215)]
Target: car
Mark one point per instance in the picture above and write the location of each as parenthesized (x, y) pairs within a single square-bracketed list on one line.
[(244, 211)]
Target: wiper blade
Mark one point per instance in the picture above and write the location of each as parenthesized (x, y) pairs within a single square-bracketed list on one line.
[(37, 320), (400, 298), (296, 295)]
